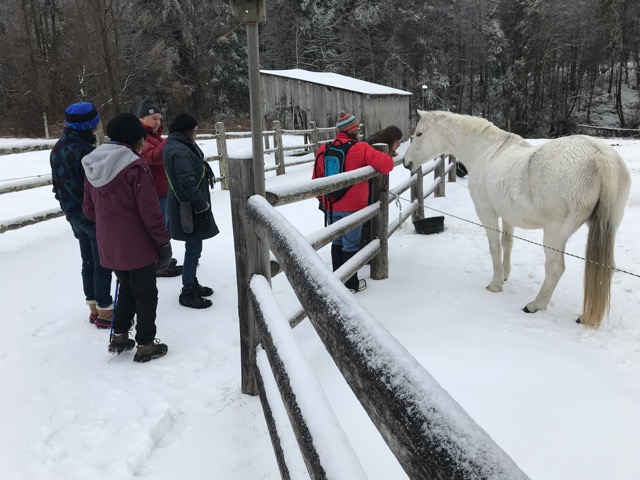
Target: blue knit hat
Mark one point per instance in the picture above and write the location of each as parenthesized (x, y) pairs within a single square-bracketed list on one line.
[(346, 123), (81, 116)]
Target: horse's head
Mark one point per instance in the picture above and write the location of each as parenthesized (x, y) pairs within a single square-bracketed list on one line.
[(427, 141)]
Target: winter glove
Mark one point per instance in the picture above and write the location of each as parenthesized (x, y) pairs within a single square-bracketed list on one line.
[(165, 257), (211, 178)]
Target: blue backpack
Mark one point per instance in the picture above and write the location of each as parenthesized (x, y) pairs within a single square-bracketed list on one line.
[(334, 158)]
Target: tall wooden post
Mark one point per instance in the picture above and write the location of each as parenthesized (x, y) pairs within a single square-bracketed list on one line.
[(256, 251)]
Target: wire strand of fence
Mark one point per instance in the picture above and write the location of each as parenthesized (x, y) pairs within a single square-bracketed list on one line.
[(615, 269)]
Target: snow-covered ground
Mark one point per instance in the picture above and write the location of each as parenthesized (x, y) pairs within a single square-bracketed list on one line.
[(561, 400)]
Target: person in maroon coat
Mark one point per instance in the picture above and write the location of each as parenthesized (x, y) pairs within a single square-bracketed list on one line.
[(360, 154), (132, 237), (151, 118)]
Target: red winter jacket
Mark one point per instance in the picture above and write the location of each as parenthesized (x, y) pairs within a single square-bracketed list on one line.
[(119, 197), (152, 154), (359, 155)]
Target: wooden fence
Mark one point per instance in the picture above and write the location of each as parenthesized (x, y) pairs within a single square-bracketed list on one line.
[(312, 139), (429, 433), (608, 131)]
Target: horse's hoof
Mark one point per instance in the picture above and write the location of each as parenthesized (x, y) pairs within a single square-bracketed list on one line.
[(578, 320), (526, 310)]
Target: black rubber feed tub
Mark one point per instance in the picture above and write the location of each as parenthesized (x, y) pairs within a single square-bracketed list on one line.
[(429, 225)]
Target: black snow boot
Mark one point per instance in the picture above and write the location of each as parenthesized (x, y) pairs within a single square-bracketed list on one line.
[(353, 284), (191, 299), (336, 256), (202, 290)]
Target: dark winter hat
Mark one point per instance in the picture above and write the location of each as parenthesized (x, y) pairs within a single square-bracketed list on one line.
[(346, 123), (183, 123), (81, 116), (147, 107), (125, 128)]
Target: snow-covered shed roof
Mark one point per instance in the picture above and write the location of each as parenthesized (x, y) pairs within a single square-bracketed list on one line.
[(336, 81)]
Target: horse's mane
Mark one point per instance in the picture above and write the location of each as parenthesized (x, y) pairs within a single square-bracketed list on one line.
[(470, 125)]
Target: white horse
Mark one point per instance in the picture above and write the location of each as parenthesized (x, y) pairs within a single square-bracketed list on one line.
[(557, 186)]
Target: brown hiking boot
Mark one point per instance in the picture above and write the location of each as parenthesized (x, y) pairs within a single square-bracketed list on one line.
[(150, 351), (120, 342), (103, 320), (93, 307)]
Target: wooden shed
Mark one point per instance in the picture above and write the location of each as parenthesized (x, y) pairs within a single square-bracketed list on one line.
[(296, 97)]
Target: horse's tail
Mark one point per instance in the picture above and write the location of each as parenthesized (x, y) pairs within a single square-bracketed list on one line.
[(603, 223)]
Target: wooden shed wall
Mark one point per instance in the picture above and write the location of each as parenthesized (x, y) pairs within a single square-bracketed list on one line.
[(380, 111), (282, 97)]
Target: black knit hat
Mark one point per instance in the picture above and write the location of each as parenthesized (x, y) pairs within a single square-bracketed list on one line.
[(183, 123), (125, 128), (147, 107)]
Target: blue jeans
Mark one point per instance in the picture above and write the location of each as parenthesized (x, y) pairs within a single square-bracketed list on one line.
[(192, 251), (350, 241), (165, 210), (96, 280)]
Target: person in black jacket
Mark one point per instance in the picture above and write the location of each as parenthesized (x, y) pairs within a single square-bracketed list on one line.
[(189, 204)]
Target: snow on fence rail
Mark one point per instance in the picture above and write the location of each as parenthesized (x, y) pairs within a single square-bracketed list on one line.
[(427, 430)]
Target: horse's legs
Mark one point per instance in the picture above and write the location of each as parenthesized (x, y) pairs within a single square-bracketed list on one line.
[(490, 222), (507, 243), (553, 268)]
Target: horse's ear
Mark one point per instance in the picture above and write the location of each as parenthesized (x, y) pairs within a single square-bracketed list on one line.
[(421, 113)]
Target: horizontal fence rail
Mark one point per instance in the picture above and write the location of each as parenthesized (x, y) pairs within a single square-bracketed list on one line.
[(221, 136)]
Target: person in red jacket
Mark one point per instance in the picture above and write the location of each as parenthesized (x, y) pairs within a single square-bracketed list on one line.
[(151, 119), (360, 154), (132, 237)]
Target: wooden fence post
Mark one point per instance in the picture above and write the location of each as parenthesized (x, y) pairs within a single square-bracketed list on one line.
[(439, 172), (277, 140), (380, 226), (46, 126), (380, 223), (417, 193), (265, 136), (452, 173), (221, 141), (314, 137), (251, 258)]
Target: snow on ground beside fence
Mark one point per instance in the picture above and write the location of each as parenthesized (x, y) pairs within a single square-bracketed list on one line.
[(561, 400)]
